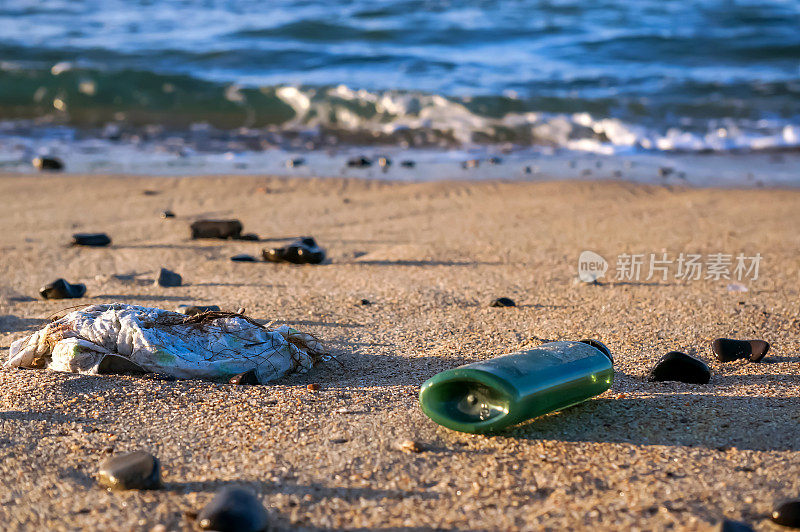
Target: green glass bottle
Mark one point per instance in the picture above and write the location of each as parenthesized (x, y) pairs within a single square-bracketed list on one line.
[(500, 392)]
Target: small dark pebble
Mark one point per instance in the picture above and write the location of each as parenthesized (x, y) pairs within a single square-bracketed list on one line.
[(728, 350), (302, 251), (191, 310), (294, 163), (234, 510), (364, 302), (677, 366), (734, 526), (408, 164), (222, 229), (248, 377), (359, 162), (787, 514), (503, 302), (90, 239), (665, 171), (151, 192), (252, 237), (61, 289), (167, 214), (119, 365), (168, 279), (495, 160), (48, 163), (244, 257), (132, 471)]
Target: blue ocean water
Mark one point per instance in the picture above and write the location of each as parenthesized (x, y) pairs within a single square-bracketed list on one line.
[(603, 76)]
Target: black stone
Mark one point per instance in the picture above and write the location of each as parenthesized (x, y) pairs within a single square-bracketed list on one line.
[(119, 365), (167, 214), (244, 258), (293, 163), (234, 510), (503, 302), (252, 237), (61, 289), (359, 162), (216, 229), (191, 310), (680, 367), (132, 471), (408, 164), (302, 251), (495, 160), (665, 171), (787, 514), (168, 279), (364, 302), (248, 377), (734, 526), (727, 350), (48, 163), (90, 239)]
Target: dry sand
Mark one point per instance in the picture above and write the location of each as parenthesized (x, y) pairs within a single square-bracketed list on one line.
[(430, 257)]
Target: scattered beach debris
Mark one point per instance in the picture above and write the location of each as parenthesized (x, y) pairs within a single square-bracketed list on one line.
[(52, 164), (728, 350), (211, 345), (294, 163), (409, 447), (191, 310), (680, 367), (408, 164), (244, 257), (734, 526), (168, 279), (167, 214), (736, 287), (787, 514), (90, 239), (234, 509), (248, 377), (61, 289), (491, 395), (503, 302), (302, 251), (138, 470), (222, 229), (359, 162)]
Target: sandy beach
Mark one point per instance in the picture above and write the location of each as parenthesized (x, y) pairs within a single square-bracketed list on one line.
[(429, 257)]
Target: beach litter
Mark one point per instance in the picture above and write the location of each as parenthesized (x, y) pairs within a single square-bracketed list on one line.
[(302, 251), (680, 367), (91, 239), (138, 470), (497, 393), (728, 350), (61, 289), (212, 345)]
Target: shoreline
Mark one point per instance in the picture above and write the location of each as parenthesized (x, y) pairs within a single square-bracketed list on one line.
[(429, 256)]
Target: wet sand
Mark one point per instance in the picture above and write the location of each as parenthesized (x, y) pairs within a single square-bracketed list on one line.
[(430, 257)]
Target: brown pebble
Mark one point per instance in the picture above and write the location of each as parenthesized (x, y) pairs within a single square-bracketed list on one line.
[(409, 447), (313, 387)]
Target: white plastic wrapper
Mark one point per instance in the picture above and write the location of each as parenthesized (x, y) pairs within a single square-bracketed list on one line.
[(213, 346)]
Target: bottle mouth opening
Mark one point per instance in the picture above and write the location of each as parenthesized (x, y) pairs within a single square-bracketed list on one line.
[(597, 344), (467, 402)]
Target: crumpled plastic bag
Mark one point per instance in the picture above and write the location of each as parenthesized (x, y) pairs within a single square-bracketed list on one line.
[(212, 345)]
